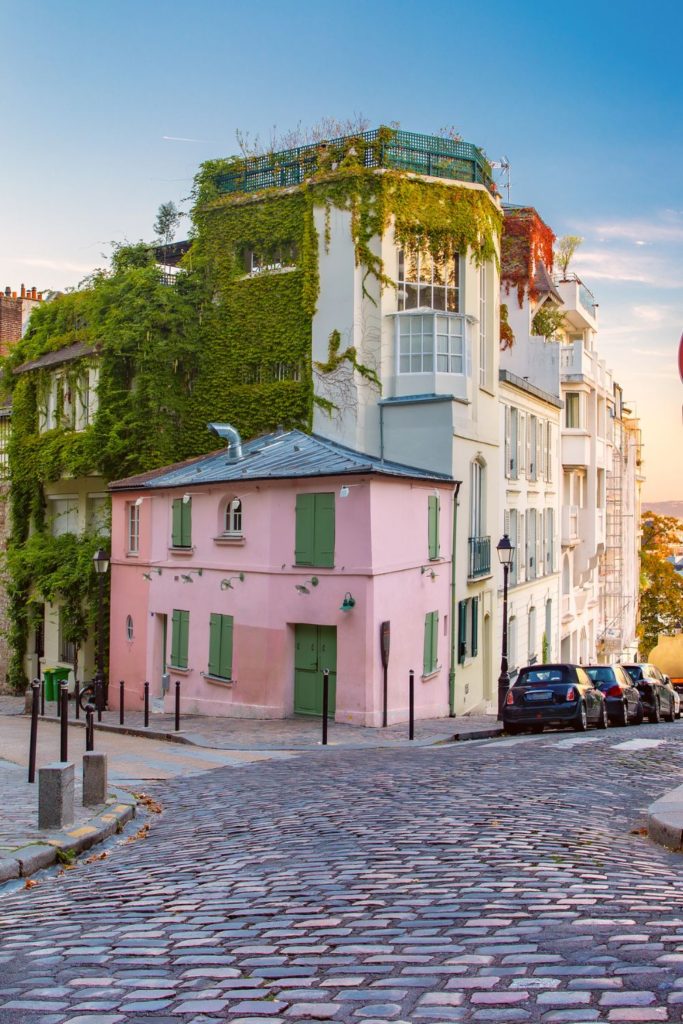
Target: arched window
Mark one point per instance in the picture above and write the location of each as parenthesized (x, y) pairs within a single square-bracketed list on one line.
[(233, 516)]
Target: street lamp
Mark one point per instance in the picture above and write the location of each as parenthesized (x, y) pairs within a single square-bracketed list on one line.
[(506, 552), (101, 563)]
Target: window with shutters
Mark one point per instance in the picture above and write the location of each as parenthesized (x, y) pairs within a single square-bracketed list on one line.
[(549, 540), (531, 544), (314, 542), (549, 629), (483, 355), (220, 646), (474, 627), (182, 523), (549, 453), (433, 525), (531, 642), (180, 635), (522, 443), (463, 638), (514, 443), (512, 643), (430, 660), (512, 529), (532, 436)]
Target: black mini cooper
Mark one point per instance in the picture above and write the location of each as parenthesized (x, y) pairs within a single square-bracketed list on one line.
[(553, 695)]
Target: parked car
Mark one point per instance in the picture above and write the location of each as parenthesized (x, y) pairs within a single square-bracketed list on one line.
[(622, 695), (676, 695), (657, 697), (553, 695)]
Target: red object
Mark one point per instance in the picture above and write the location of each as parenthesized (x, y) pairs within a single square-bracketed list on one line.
[(510, 698), (614, 691), (571, 694), (680, 357)]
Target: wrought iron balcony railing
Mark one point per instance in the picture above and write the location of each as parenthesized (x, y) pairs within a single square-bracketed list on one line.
[(479, 561)]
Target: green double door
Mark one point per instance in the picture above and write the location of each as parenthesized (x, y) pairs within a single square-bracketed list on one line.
[(315, 651)]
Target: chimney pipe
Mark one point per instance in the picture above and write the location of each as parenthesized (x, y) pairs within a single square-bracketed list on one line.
[(229, 433), (34, 294), (23, 292)]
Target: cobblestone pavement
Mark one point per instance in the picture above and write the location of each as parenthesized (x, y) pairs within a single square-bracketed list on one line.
[(496, 881)]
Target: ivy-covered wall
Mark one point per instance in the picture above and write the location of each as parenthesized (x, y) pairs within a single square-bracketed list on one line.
[(219, 344)]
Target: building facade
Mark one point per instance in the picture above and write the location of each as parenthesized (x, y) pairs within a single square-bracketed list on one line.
[(246, 573)]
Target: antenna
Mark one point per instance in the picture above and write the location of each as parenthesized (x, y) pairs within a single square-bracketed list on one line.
[(504, 165)]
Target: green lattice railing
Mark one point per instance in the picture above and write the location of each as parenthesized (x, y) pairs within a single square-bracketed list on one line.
[(404, 151)]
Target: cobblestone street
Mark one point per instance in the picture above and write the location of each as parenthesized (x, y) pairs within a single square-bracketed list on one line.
[(497, 881)]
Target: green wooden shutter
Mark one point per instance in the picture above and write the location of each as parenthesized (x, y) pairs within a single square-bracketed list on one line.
[(177, 533), (475, 627), (462, 631), (433, 526), (324, 530), (186, 523), (180, 635), (435, 640), (427, 649), (226, 646), (305, 531), (214, 644)]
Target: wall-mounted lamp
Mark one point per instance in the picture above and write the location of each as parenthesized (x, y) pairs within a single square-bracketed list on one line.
[(301, 588), (429, 571), (186, 577), (343, 491), (348, 603), (186, 498), (226, 584), (138, 502), (156, 569)]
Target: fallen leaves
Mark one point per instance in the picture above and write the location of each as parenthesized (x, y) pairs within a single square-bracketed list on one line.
[(96, 856), (140, 834), (152, 805), (639, 831), (30, 883)]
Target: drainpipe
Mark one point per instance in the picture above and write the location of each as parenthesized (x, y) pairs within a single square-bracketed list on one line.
[(451, 669)]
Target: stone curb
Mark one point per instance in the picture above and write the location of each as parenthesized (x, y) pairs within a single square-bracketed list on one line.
[(179, 737), (665, 820), (26, 860)]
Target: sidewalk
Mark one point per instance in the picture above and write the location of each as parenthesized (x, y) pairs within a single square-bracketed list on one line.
[(24, 848), (297, 733)]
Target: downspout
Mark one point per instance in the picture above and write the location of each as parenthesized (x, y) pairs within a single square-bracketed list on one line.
[(451, 669)]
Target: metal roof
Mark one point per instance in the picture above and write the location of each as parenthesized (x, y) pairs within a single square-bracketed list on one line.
[(283, 455), (59, 356)]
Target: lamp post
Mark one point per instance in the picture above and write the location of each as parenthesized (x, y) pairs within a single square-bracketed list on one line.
[(506, 553), (101, 563)]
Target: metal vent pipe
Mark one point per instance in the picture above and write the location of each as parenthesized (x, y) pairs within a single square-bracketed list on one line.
[(232, 436)]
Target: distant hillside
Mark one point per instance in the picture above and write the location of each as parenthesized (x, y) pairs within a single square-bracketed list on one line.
[(664, 508)]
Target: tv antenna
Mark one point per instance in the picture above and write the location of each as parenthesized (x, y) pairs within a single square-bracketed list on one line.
[(503, 165)]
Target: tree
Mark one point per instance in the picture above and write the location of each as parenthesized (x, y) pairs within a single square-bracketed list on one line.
[(166, 224), (661, 587), (564, 251)]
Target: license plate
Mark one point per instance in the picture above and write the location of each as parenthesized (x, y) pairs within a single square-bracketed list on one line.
[(539, 695)]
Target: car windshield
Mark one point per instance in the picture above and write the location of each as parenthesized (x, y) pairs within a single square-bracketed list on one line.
[(540, 677)]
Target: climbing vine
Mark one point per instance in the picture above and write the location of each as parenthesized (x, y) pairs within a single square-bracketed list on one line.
[(547, 322), (526, 241), (507, 335)]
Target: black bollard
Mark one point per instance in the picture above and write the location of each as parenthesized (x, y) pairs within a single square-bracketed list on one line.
[(146, 705), (411, 707), (77, 699), (177, 705), (33, 742), (58, 703), (64, 724), (89, 727), (326, 703), (99, 696), (122, 690), (42, 696)]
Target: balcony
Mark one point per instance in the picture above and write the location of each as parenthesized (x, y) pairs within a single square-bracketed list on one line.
[(580, 307), (383, 147), (479, 557), (576, 448), (570, 525)]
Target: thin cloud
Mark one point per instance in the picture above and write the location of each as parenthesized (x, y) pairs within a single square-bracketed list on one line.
[(616, 264), (666, 227), (63, 265), (178, 138)]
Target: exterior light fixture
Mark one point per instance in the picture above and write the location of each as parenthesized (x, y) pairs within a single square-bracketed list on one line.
[(101, 564), (301, 588), (186, 498), (506, 552), (348, 603), (186, 577), (226, 584), (344, 491), (429, 571), (155, 569)]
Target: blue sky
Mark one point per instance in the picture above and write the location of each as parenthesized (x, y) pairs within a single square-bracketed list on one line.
[(586, 101)]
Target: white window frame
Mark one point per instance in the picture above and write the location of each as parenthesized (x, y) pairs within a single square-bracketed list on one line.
[(132, 528), (58, 524), (532, 636), (436, 343), (483, 318), (90, 506), (233, 517), (477, 498), (426, 288), (579, 410)]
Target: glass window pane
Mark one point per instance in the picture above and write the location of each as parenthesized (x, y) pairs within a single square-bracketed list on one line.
[(425, 267), (439, 298), (411, 296)]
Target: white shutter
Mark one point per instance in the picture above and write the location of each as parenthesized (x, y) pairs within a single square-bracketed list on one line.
[(540, 561), (521, 462), (508, 434)]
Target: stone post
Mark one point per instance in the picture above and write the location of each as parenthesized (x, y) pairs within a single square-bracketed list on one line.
[(94, 779), (56, 795)]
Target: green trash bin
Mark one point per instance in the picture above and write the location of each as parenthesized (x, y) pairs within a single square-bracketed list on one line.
[(60, 675), (49, 677)]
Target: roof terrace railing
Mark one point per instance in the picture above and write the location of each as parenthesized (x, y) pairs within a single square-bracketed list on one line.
[(399, 150)]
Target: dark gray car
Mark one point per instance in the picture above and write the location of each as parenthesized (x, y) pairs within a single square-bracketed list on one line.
[(553, 695), (622, 695)]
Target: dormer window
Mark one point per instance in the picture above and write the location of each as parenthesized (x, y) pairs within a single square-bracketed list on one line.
[(428, 282)]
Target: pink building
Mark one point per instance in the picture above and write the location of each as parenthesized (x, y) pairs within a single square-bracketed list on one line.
[(247, 572)]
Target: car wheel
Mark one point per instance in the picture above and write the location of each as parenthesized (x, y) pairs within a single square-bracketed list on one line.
[(622, 720), (640, 714), (671, 717), (537, 728), (581, 722), (656, 713), (511, 730), (603, 720)]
